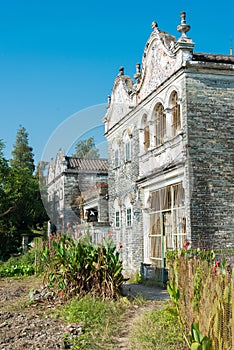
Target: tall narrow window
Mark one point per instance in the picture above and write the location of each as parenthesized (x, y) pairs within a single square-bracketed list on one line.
[(160, 124), (129, 217), (117, 219), (176, 119), (146, 134), (127, 151), (116, 162)]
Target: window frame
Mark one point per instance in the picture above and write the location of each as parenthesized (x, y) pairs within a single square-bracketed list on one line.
[(176, 114), (128, 151), (173, 204), (160, 125), (128, 217), (117, 222), (116, 158)]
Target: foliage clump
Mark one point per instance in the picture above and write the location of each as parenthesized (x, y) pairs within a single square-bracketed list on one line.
[(21, 208), (78, 267), (26, 264)]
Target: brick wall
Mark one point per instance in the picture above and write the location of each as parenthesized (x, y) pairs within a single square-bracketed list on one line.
[(210, 127)]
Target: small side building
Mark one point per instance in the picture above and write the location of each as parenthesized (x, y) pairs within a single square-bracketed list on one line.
[(77, 194)]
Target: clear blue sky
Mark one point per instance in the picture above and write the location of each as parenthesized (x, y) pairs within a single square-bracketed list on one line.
[(58, 57)]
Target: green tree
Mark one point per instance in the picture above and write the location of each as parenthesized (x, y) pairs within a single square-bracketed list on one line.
[(86, 149), (22, 154), (6, 207), (21, 207), (4, 174)]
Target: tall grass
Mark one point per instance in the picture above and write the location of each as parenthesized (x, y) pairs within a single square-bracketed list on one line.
[(157, 329), (99, 321)]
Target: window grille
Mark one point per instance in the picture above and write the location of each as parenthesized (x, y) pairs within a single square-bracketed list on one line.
[(167, 220)]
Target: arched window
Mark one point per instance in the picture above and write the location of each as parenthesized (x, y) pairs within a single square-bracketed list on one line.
[(115, 153), (146, 134), (176, 119), (160, 124), (127, 145)]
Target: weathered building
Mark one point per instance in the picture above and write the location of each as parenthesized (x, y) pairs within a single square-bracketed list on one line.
[(171, 151), (77, 194)]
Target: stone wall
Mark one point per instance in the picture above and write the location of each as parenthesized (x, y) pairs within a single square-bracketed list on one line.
[(210, 125), (123, 191)]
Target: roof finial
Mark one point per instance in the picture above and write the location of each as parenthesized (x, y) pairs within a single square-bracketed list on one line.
[(183, 28), (154, 25), (121, 71), (137, 76)]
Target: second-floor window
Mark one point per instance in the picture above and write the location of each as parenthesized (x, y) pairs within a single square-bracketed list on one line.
[(146, 137), (176, 119), (160, 124), (116, 160), (127, 151)]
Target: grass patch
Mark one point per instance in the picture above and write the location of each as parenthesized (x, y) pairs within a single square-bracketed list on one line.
[(157, 329), (98, 319)]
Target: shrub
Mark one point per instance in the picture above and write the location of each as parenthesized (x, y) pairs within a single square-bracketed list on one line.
[(79, 267), (25, 264)]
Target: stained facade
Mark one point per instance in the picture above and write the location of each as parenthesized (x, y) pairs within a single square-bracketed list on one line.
[(171, 151)]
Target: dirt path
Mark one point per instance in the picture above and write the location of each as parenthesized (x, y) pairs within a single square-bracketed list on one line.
[(154, 297), (32, 327)]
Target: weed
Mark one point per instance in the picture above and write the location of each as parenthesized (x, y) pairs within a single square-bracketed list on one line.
[(157, 329), (98, 320)]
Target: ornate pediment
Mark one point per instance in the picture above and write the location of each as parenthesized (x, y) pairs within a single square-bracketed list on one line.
[(59, 163), (159, 62), (162, 57), (120, 101)]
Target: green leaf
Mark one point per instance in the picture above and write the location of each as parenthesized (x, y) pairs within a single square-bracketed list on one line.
[(206, 343), (196, 334), (196, 346)]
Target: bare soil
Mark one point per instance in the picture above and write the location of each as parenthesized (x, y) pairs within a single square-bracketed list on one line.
[(25, 325)]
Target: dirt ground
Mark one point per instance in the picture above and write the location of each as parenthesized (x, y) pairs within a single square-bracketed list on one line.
[(24, 326)]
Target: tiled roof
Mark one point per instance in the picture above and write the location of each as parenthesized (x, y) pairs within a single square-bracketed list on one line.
[(197, 56), (87, 164)]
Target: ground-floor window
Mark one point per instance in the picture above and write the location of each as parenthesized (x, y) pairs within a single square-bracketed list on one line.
[(129, 217), (167, 220), (117, 219)]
